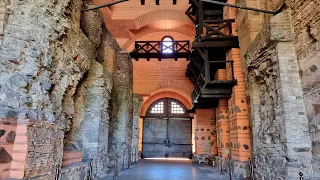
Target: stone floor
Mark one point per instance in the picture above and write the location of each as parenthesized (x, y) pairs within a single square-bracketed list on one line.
[(170, 170)]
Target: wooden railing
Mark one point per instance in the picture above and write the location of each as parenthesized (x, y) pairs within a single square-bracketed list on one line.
[(160, 46), (209, 29), (204, 79), (161, 50)]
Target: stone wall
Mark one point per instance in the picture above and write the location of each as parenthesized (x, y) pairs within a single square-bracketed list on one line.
[(75, 172), (44, 149), (120, 131), (305, 21), (281, 145), (89, 131), (137, 102), (57, 75)]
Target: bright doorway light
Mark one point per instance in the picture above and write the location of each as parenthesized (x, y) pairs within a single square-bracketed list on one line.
[(167, 45)]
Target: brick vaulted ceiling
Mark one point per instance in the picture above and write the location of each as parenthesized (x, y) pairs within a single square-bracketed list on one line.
[(130, 21)]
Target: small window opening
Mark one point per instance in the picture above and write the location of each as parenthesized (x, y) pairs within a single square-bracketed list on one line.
[(167, 45), (157, 109), (176, 109)]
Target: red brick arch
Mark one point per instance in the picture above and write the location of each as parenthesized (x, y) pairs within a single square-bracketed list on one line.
[(166, 93)]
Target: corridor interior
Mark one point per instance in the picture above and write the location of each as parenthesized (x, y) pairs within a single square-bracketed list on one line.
[(159, 89)]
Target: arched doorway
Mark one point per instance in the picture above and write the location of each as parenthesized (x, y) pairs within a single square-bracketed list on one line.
[(167, 130)]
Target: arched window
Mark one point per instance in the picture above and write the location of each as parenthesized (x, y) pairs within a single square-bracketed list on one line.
[(167, 107), (167, 45), (157, 109), (176, 108)]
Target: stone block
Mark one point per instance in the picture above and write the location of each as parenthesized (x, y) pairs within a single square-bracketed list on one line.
[(5, 157)]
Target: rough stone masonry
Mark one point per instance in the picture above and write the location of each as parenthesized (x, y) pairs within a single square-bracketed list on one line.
[(55, 88), (280, 58)]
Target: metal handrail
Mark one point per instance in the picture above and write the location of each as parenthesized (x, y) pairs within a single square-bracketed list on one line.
[(115, 175), (57, 173), (251, 167), (90, 169)]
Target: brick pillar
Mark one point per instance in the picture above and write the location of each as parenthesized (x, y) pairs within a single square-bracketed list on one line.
[(140, 135), (205, 134), (120, 131), (240, 139), (137, 101), (223, 128), (282, 144), (292, 112)]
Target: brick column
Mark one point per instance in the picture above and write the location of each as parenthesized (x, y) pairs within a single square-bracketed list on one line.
[(282, 144), (205, 131), (240, 139), (137, 101), (120, 131), (205, 134), (292, 112), (223, 128)]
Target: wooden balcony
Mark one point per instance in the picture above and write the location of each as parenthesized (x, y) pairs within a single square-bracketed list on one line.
[(213, 39), (209, 10), (215, 34), (208, 89), (161, 50)]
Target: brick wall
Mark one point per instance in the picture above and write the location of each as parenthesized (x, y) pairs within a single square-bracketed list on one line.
[(35, 148), (44, 149), (305, 16), (205, 132), (121, 112), (305, 21), (8, 128), (273, 70), (45, 79)]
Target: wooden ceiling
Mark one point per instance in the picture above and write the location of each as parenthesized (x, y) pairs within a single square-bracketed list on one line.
[(130, 21)]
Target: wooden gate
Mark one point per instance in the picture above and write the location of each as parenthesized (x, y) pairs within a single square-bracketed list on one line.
[(167, 130)]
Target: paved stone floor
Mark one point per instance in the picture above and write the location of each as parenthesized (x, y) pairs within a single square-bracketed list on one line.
[(170, 170)]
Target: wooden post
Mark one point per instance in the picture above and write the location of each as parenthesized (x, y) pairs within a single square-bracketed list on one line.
[(207, 65), (200, 11)]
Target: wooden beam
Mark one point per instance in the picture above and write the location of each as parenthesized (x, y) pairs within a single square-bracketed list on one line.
[(231, 43), (200, 14)]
